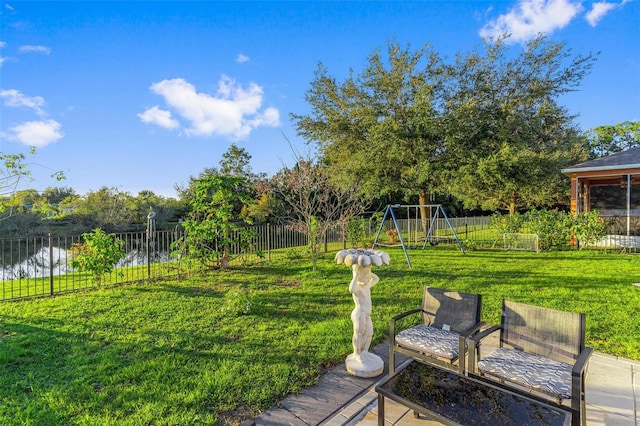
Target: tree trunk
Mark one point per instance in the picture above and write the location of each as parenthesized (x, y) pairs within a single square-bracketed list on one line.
[(512, 203), (424, 199)]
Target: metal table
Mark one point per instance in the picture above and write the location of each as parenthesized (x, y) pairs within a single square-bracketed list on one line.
[(454, 399)]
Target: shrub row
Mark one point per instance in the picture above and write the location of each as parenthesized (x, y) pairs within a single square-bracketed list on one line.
[(555, 229)]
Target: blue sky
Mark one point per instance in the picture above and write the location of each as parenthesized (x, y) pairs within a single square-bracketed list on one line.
[(142, 95)]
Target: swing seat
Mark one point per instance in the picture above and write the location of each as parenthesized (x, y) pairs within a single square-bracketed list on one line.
[(388, 245)]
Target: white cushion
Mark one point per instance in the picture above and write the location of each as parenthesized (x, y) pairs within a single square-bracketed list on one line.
[(430, 340), (532, 371)]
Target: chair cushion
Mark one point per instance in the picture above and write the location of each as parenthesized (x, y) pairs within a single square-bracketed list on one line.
[(430, 340), (532, 371)]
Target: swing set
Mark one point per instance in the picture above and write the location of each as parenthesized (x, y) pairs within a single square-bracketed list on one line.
[(416, 232)]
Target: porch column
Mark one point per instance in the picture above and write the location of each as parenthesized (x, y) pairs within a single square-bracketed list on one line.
[(575, 194), (578, 196), (628, 205)]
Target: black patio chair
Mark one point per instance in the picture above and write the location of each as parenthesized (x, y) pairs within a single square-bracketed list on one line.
[(541, 353), (447, 319)]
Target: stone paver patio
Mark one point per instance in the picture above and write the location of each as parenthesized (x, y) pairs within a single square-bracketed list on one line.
[(613, 398)]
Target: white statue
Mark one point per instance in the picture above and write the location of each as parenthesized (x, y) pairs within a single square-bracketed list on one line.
[(361, 362)]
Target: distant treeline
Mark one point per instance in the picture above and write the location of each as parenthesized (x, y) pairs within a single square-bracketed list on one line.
[(62, 211)]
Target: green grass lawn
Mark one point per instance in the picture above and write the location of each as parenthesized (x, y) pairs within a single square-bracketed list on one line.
[(178, 352)]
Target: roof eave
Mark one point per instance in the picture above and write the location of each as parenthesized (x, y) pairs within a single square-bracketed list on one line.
[(602, 168)]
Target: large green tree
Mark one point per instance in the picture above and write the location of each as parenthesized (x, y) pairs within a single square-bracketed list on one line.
[(510, 135), (606, 140), (381, 128)]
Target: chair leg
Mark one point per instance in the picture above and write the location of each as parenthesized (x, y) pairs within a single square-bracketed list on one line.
[(578, 411), (462, 348), (578, 401), (392, 358), (576, 419), (583, 404), (392, 343)]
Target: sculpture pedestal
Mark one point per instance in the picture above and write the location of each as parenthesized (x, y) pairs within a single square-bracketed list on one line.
[(364, 365)]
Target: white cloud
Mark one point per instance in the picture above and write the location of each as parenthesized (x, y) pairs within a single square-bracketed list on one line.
[(233, 111), (31, 133), (8, 6), (2, 58), (270, 117), (14, 98), (241, 59), (159, 117), (36, 133), (599, 10), (34, 49), (531, 17)]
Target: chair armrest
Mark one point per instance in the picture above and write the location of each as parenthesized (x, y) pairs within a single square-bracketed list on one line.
[(581, 362), (474, 341), (472, 330), (392, 329), (405, 314), (476, 338)]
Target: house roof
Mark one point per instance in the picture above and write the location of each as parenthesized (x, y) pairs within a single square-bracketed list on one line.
[(628, 159)]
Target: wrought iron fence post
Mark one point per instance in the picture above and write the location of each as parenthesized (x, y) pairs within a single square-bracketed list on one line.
[(326, 244), (50, 264), (268, 242)]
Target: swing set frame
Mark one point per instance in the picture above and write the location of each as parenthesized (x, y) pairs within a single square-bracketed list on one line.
[(437, 213)]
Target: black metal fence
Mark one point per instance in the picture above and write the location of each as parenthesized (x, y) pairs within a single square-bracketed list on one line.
[(32, 267), (40, 266)]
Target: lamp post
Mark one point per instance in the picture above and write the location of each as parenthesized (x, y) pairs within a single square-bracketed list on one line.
[(361, 362)]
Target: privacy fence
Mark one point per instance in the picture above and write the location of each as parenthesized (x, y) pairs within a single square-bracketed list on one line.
[(40, 266)]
